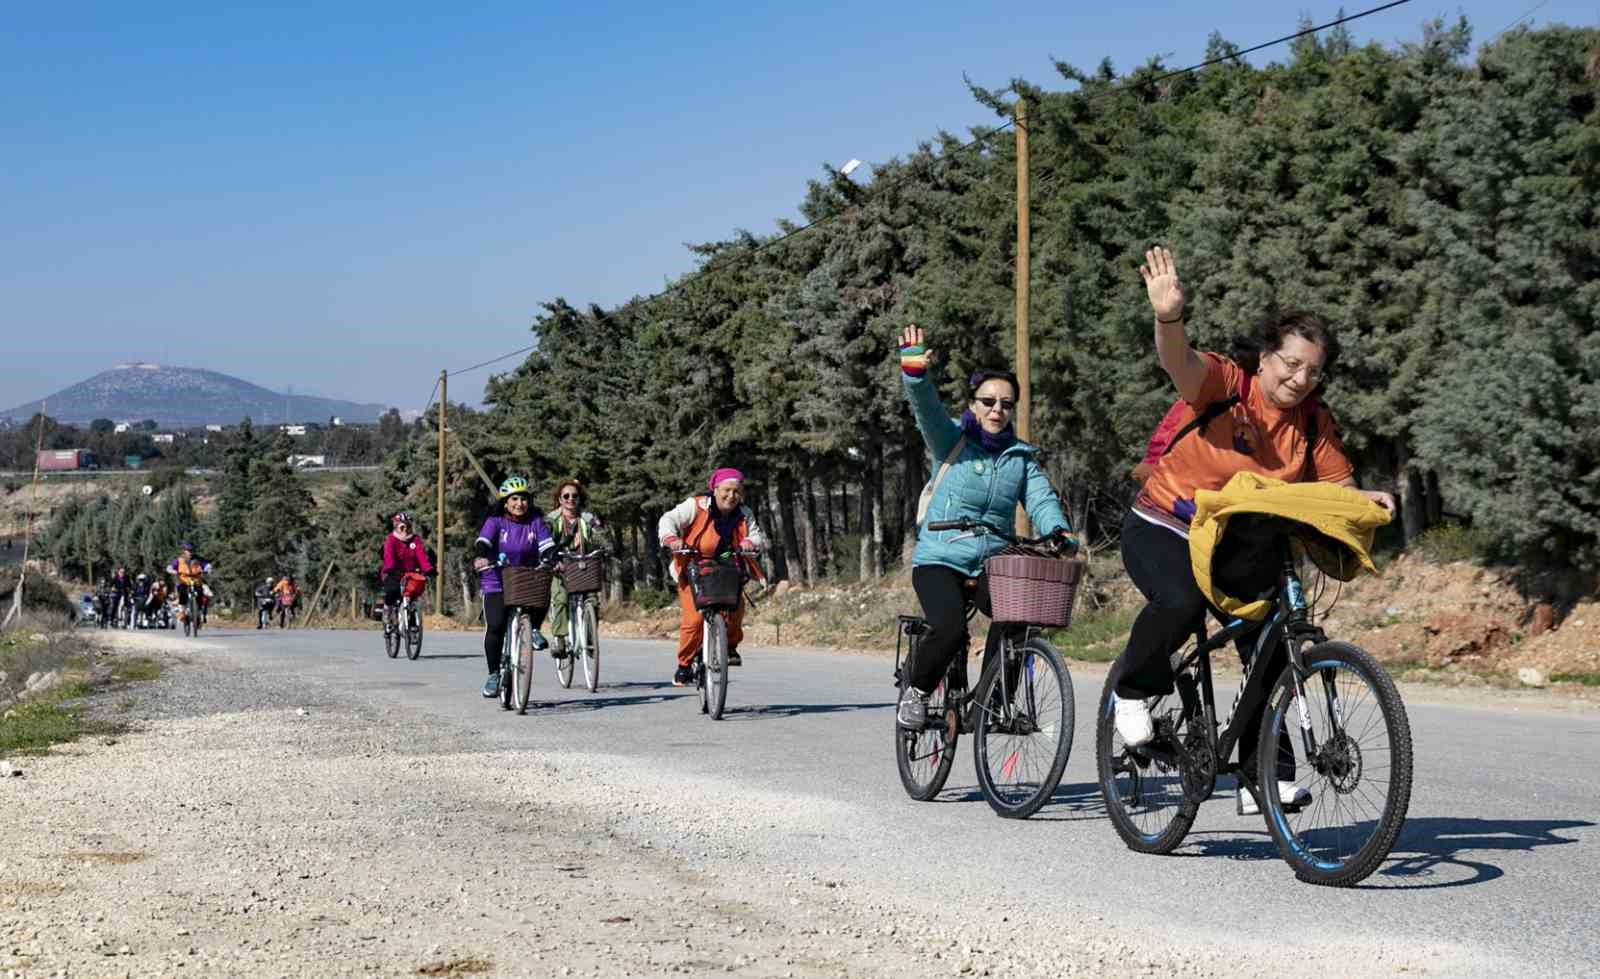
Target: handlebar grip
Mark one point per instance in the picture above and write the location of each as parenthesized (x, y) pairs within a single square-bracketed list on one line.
[(939, 525)]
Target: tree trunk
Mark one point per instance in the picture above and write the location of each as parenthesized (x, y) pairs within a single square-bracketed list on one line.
[(844, 507), (617, 569), (1435, 509), (466, 592), (1408, 483), (791, 533), (778, 549), (910, 493), (809, 514), (876, 482), (355, 608)]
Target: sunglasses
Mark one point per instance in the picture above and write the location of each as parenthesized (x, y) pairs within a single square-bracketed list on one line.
[(1006, 404), (569, 496)]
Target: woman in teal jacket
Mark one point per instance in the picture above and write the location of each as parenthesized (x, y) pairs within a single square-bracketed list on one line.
[(990, 472)]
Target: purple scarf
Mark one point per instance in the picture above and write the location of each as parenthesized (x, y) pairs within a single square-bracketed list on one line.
[(994, 444)]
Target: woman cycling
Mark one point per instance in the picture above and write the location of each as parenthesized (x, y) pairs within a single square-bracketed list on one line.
[(1277, 428), (515, 537), (403, 553), (576, 531), (989, 473), (713, 524)]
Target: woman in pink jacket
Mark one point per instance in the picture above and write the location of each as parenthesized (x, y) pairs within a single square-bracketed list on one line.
[(403, 552)]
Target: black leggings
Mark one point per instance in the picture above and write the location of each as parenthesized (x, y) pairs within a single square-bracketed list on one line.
[(1158, 562), (943, 594), (495, 618)]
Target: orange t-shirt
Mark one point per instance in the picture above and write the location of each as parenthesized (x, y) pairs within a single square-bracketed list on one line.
[(1252, 436)]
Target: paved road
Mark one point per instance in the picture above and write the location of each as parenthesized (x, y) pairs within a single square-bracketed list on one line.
[(1497, 869)]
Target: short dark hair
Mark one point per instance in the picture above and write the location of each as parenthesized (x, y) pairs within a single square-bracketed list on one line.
[(982, 375), (1269, 333)]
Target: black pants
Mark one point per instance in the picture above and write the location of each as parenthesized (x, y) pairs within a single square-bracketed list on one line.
[(496, 616), (1158, 562), (943, 594), (391, 589)]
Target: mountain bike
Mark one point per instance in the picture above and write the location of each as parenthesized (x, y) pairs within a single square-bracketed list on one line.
[(1022, 709), (583, 575), (717, 584), (1337, 721), (190, 614), (402, 625), (524, 588)]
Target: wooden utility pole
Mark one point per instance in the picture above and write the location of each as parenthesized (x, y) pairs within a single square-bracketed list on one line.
[(438, 531), (1024, 419), (27, 537), (311, 612)]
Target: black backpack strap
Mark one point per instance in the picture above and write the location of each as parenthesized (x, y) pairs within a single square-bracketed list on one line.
[(1203, 418), (1309, 474)]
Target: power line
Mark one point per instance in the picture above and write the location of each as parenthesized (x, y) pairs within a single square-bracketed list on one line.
[(1507, 29), (715, 265)]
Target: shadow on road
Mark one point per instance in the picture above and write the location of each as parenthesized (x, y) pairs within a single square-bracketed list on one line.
[(587, 703), (477, 656), (1068, 804), (1432, 852), (762, 712)]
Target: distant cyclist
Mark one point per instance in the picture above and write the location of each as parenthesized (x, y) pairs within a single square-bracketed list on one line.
[(264, 602), (190, 573), (287, 593), (403, 553), (576, 531), (515, 537), (121, 592)]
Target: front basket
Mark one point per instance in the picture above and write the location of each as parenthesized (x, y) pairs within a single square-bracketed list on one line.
[(1027, 590)]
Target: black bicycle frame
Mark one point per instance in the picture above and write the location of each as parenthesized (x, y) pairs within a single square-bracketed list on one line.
[(1014, 638)]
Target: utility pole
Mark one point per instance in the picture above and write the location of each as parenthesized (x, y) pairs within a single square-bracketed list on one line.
[(438, 532), (1024, 419)]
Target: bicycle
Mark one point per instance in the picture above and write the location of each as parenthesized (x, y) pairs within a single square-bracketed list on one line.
[(718, 587), (524, 588), (286, 610), (582, 574), (190, 614), (410, 632), (1022, 715), (1153, 792)]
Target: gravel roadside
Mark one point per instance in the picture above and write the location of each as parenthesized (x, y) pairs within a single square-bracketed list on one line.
[(249, 825)]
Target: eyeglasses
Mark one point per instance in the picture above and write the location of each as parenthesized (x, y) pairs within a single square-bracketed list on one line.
[(1313, 374), (1006, 404)]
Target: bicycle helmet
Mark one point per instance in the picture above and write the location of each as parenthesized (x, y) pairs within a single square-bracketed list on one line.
[(186, 546), (512, 486), (405, 518)]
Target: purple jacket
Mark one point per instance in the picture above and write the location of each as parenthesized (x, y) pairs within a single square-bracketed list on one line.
[(523, 544)]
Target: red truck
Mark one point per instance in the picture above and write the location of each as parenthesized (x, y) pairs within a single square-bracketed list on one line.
[(64, 460)]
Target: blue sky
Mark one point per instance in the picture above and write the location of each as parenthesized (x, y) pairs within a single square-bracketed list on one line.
[(346, 197)]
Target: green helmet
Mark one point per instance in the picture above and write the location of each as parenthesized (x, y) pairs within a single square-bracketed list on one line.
[(512, 486)]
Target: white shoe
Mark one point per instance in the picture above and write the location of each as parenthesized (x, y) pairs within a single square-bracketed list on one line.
[(1293, 797), (1133, 722)]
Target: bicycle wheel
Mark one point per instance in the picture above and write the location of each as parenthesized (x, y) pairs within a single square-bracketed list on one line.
[(391, 633), (565, 664), (924, 757), (523, 679), (589, 646), (1143, 787), (508, 659), (716, 665), (1357, 768), (1022, 746), (413, 632)]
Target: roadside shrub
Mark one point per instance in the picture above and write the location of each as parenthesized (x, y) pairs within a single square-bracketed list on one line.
[(1453, 542)]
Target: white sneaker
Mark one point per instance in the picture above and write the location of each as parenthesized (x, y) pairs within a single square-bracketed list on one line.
[(1293, 797), (1133, 721)]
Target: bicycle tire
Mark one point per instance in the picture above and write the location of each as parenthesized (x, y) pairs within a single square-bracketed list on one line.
[(194, 615), (1343, 766), (391, 633), (1020, 750), (565, 665), (924, 758), (590, 647), (413, 633), (522, 672), (1158, 828), (508, 656), (717, 665)]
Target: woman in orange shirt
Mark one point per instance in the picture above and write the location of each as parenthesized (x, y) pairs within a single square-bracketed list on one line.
[(1278, 427)]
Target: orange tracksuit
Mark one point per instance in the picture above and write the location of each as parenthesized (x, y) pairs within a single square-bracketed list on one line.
[(700, 535)]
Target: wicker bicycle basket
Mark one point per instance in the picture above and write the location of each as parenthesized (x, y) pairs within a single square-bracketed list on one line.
[(1027, 590), (582, 574), (526, 587), (715, 585)]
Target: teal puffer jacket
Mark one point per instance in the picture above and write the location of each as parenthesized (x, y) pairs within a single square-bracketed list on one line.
[(978, 486)]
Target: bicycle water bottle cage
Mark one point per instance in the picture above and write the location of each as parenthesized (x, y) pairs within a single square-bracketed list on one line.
[(914, 625)]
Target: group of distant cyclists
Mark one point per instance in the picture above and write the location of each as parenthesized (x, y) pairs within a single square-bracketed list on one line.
[(154, 601)]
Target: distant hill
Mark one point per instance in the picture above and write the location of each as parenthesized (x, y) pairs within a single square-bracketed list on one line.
[(186, 396)]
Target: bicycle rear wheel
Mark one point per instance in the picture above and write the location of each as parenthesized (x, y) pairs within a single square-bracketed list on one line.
[(522, 677), (391, 633), (924, 757), (1024, 734), (1358, 770), (1143, 787), (413, 632), (589, 646), (716, 665)]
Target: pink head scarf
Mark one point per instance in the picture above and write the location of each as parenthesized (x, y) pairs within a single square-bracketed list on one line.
[(723, 475)]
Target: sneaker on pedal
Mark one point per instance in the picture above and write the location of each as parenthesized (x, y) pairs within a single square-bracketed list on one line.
[(1133, 721), (1293, 798), (682, 677), (558, 647), (491, 686), (912, 713), (733, 658)]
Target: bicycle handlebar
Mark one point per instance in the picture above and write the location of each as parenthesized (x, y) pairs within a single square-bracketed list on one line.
[(979, 528)]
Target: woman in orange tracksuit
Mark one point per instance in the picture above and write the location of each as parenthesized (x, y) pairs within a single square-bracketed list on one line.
[(712, 523)]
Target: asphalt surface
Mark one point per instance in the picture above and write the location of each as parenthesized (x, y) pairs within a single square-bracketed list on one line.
[(1496, 871)]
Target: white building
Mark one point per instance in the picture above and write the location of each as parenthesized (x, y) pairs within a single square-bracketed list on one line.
[(307, 462), (213, 428), (164, 438), (292, 429), (121, 427)]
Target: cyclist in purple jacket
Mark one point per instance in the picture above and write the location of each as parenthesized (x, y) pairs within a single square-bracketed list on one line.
[(516, 537)]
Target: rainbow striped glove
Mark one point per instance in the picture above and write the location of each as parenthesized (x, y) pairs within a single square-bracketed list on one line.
[(914, 360)]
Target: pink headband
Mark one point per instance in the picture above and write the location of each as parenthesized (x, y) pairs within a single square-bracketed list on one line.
[(723, 475)]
